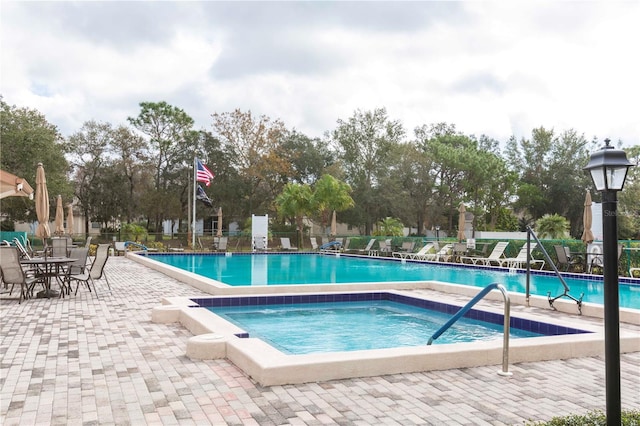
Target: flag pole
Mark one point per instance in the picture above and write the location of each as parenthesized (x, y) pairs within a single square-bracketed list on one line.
[(193, 228)]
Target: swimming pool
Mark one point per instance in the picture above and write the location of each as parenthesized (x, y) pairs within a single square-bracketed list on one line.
[(215, 337), (255, 270), (362, 325)]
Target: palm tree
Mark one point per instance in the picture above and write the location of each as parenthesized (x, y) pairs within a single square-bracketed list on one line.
[(331, 194), (390, 226), (552, 226), (295, 200)]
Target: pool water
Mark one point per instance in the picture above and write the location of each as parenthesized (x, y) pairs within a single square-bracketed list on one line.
[(289, 269), (351, 326)]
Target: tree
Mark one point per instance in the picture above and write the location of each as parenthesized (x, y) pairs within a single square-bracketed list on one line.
[(256, 153), (28, 139), (171, 144), (389, 226), (551, 179), (552, 226), (309, 158), (364, 141), (296, 201), (330, 195)]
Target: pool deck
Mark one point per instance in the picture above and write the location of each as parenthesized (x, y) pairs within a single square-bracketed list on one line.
[(82, 360)]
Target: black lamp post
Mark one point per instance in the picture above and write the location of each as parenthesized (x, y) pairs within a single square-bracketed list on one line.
[(608, 169), (437, 233)]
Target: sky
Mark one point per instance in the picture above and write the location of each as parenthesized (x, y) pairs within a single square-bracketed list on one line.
[(498, 68)]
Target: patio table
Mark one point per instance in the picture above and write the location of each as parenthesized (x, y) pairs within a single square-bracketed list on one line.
[(48, 268)]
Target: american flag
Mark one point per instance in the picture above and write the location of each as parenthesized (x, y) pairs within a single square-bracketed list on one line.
[(203, 174)]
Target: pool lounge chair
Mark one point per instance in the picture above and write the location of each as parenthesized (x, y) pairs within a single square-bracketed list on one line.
[(521, 259), (443, 255), (368, 249), (424, 250), (314, 243), (494, 258), (407, 247), (385, 246), (285, 242)]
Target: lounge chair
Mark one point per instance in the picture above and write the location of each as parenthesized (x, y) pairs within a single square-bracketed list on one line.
[(285, 242), (521, 259), (384, 246), (220, 243), (407, 247), (494, 258), (368, 248), (444, 254), (632, 272), (424, 250), (314, 243)]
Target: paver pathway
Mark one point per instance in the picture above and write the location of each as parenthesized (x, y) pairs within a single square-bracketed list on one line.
[(84, 361)]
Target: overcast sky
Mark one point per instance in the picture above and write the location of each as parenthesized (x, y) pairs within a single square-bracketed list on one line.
[(496, 68)]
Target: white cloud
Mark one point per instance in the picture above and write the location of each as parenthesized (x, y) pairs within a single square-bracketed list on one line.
[(495, 68)]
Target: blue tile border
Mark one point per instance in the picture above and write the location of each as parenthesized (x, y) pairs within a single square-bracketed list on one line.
[(490, 317)]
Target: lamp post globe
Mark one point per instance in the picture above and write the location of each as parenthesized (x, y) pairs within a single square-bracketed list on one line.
[(608, 168)]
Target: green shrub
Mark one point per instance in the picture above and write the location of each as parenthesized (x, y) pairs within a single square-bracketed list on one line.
[(593, 418)]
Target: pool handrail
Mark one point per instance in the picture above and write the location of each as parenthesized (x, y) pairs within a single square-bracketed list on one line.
[(506, 323), (558, 274)]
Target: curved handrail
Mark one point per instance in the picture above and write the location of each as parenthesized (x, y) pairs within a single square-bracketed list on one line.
[(133, 243), (506, 324), (558, 274)]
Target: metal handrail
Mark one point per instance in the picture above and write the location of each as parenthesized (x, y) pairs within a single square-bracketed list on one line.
[(558, 274), (506, 324)]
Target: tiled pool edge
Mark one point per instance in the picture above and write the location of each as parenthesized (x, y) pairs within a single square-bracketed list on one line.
[(269, 367)]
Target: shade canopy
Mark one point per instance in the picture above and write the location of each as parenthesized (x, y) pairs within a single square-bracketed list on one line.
[(587, 219), (59, 217), (42, 204), (461, 222), (14, 186), (608, 168)]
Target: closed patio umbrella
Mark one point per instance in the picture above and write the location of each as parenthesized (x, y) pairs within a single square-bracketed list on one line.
[(59, 231), (587, 218), (461, 222), (334, 225), (219, 233), (70, 221), (42, 205)]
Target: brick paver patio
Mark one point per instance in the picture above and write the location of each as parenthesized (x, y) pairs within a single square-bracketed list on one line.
[(82, 361)]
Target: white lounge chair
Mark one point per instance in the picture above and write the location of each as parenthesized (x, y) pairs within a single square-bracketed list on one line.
[(424, 250), (494, 257), (521, 259), (368, 249), (314, 243), (285, 242), (444, 254)]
